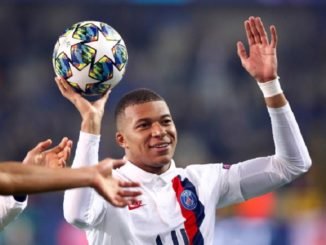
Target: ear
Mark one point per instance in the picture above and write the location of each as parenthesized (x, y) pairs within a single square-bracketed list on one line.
[(120, 139)]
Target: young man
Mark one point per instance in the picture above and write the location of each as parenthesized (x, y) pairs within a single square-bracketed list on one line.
[(42, 171), (178, 205)]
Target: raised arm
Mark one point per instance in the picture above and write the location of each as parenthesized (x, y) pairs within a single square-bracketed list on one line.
[(79, 203), (291, 158)]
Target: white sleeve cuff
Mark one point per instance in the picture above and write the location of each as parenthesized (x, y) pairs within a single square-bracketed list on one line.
[(278, 110), (83, 136)]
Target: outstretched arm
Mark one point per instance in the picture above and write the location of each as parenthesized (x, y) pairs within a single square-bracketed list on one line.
[(16, 178)]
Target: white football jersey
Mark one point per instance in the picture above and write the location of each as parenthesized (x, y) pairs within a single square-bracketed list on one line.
[(178, 206)]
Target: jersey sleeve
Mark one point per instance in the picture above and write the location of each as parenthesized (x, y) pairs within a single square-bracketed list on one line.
[(10, 209), (83, 207), (264, 174)]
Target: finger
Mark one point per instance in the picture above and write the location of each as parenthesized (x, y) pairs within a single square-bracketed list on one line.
[(60, 85), (42, 146), (120, 202), (241, 52), (262, 31), (62, 163), (67, 151), (250, 36), (117, 163), (100, 103), (254, 30), (128, 193), (128, 184), (63, 82), (107, 93), (65, 89), (124, 201), (61, 146), (112, 163), (273, 36)]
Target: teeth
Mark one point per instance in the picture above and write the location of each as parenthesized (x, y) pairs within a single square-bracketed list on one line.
[(161, 145)]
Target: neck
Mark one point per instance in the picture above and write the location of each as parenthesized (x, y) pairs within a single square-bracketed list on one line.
[(155, 168)]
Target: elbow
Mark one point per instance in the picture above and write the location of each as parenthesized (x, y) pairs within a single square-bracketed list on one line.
[(73, 215), (293, 168), (307, 163), (301, 167), (74, 219)]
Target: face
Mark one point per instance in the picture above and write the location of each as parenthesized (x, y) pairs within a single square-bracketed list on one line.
[(148, 135)]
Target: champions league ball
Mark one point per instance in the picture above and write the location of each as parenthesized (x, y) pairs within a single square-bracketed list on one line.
[(91, 56)]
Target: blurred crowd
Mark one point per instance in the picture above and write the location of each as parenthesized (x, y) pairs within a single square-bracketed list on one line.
[(188, 54)]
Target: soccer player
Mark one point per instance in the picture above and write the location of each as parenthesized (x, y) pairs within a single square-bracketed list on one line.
[(42, 171), (177, 205)]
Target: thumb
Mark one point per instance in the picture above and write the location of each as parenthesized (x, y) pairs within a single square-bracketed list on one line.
[(100, 103), (241, 51), (112, 163), (118, 163)]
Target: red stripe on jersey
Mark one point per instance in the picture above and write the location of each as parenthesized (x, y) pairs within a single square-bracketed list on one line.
[(191, 222)]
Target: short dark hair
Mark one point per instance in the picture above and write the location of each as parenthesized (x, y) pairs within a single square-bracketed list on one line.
[(135, 97)]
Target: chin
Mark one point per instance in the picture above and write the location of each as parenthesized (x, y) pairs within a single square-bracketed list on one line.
[(162, 160)]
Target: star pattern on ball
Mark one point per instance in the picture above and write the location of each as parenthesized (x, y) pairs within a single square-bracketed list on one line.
[(66, 42), (81, 77), (99, 47)]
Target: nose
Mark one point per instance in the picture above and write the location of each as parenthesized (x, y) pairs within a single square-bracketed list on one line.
[(158, 130)]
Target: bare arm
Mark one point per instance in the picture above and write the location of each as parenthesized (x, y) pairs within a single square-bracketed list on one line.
[(32, 177), (21, 179), (16, 178)]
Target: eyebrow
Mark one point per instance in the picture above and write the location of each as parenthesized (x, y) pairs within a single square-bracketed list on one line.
[(150, 119)]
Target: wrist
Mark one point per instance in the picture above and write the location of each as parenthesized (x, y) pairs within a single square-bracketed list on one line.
[(91, 125), (95, 179), (270, 88)]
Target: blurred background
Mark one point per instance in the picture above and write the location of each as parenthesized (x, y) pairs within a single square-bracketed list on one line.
[(186, 51)]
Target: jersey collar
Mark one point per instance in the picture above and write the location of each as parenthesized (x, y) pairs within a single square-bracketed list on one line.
[(137, 174)]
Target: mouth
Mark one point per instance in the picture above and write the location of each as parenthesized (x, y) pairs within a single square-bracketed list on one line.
[(163, 145)]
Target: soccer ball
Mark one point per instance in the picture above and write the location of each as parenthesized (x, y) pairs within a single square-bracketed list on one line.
[(91, 56)]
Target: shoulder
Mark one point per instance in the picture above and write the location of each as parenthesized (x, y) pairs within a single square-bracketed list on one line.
[(199, 171)]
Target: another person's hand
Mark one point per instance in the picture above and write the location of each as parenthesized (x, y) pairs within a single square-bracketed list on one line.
[(91, 112), (261, 63), (117, 192), (55, 157)]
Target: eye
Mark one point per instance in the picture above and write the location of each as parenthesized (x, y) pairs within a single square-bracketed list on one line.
[(142, 125), (167, 121)]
